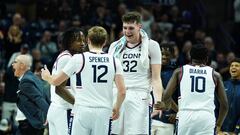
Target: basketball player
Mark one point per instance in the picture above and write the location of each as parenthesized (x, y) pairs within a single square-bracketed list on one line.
[(62, 100), (197, 84), (93, 102), (141, 60)]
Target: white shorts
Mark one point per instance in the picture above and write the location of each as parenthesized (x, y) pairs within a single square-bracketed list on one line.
[(160, 128), (134, 114), (59, 120), (196, 123), (94, 121)]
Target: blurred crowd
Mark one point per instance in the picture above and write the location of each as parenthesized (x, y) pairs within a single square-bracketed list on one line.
[(35, 28)]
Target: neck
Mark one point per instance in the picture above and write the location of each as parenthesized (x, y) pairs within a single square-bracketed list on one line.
[(97, 50), (197, 62), (138, 40)]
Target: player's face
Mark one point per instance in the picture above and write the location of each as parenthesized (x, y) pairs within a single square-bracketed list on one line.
[(17, 65), (79, 45), (165, 56), (235, 70), (131, 31)]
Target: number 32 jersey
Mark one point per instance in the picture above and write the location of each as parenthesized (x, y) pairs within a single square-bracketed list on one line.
[(95, 78), (197, 88)]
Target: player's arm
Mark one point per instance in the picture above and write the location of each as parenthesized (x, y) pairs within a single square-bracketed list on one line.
[(64, 93), (157, 82), (53, 80), (171, 87), (121, 90), (222, 98), (121, 93), (155, 61)]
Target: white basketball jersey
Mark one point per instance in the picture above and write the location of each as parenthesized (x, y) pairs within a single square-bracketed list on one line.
[(60, 62), (135, 75), (197, 88), (97, 73)]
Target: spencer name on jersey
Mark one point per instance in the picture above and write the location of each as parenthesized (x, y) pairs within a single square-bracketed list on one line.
[(99, 59), (197, 71), (131, 56)]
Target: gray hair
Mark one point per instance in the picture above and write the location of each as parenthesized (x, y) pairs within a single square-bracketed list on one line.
[(26, 60)]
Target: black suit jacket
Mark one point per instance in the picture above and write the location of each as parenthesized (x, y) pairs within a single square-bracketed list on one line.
[(32, 100)]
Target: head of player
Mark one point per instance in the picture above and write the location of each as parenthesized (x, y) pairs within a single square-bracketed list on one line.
[(96, 38), (73, 40), (199, 54), (131, 27)]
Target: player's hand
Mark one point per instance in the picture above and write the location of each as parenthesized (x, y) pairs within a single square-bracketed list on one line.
[(159, 105), (45, 73), (172, 118), (45, 123), (115, 113), (156, 112)]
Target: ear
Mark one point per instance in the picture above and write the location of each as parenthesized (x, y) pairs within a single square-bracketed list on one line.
[(140, 26), (88, 41)]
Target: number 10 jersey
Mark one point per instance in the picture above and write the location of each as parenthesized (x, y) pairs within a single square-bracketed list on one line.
[(197, 88)]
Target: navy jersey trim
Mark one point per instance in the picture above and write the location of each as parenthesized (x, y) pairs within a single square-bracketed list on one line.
[(110, 126), (68, 82), (96, 52), (180, 75), (69, 121), (134, 46), (114, 63), (79, 80), (83, 64), (61, 55), (214, 79)]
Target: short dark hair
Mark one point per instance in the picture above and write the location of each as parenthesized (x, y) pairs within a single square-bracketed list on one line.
[(69, 36), (168, 46), (236, 60), (199, 52), (131, 17)]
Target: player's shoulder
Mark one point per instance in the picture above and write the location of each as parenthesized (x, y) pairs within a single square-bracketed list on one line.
[(153, 42), (64, 54), (217, 75)]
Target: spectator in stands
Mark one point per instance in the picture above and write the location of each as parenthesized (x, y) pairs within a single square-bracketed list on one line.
[(47, 46), (7, 128), (23, 50), (209, 43), (9, 106), (14, 41), (224, 71), (232, 87), (184, 55)]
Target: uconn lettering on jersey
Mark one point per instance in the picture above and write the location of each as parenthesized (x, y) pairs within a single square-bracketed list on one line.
[(131, 56), (197, 71), (99, 59)]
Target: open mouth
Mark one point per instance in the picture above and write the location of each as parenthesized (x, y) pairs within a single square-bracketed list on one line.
[(233, 71), (129, 36)]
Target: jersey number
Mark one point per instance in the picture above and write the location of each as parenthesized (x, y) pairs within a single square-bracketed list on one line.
[(98, 79), (196, 80), (130, 66)]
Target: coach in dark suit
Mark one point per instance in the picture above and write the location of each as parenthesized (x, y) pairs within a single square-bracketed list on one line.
[(31, 102)]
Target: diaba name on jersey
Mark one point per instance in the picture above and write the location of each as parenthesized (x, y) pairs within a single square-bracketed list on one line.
[(197, 71), (98, 59)]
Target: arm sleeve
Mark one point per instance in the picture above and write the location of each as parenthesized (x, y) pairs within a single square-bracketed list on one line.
[(155, 52), (74, 65), (119, 69), (62, 61)]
